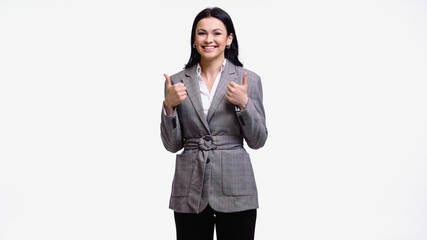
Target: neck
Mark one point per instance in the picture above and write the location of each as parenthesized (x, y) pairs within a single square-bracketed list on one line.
[(211, 66)]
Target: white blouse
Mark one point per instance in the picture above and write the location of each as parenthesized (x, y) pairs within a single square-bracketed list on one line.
[(204, 92)]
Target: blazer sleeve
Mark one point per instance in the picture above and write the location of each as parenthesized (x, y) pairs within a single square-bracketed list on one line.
[(252, 118), (170, 131)]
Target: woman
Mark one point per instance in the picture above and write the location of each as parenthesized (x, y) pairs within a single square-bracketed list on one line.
[(209, 108)]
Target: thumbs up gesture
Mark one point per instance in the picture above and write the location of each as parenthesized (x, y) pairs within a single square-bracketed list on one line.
[(238, 94), (175, 95)]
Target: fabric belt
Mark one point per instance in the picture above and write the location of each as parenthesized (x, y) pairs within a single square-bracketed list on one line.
[(204, 145)]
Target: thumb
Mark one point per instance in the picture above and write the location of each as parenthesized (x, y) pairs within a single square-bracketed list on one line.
[(244, 81), (168, 80)]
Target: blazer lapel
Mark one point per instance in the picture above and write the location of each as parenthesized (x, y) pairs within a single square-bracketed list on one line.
[(193, 93), (228, 75)]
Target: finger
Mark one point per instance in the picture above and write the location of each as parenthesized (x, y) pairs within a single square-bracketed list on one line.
[(182, 93), (179, 88), (185, 88), (179, 85), (230, 88), (182, 97), (168, 80), (244, 81)]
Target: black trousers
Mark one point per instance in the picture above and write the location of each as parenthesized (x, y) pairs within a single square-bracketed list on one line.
[(229, 226)]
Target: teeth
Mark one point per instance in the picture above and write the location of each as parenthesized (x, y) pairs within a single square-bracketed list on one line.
[(209, 47)]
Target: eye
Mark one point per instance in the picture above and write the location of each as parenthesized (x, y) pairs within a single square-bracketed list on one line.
[(200, 33), (217, 33)]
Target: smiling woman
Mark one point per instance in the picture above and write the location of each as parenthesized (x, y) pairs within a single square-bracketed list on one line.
[(211, 38), (209, 109), (220, 23), (211, 41)]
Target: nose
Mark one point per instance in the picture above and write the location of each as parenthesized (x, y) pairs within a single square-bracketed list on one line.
[(208, 38)]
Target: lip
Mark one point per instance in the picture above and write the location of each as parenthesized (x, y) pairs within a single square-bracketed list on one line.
[(209, 48)]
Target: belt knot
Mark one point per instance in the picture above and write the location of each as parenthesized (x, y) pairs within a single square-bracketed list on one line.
[(207, 143)]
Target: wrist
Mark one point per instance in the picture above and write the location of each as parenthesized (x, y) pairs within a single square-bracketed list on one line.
[(244, 105), (169, 109), (166, 104)]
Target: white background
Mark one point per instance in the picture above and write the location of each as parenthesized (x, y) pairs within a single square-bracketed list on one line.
[(81, 88)]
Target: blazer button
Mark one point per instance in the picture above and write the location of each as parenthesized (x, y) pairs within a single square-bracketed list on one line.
[(207, 138), (208, 161)]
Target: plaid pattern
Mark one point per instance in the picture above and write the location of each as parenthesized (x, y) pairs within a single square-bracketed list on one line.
[(231, 184)]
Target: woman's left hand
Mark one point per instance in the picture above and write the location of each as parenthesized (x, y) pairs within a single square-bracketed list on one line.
[(238, 94)]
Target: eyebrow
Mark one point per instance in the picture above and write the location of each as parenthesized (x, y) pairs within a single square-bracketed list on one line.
[(216, 29)]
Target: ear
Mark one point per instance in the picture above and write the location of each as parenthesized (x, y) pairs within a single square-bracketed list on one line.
[(230, 39)]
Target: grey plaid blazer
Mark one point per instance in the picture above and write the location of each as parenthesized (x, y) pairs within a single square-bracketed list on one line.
[(216, 142)]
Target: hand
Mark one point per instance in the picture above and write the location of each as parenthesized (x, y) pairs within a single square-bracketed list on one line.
[(175, 95), (238, 94)]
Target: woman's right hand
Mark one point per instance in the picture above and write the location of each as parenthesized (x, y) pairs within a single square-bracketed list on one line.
[(175, 95)]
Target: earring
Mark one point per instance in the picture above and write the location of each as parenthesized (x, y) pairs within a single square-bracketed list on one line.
[(194, 45), (228, 46)]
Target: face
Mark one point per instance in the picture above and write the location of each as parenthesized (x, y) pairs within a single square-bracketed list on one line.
[(211, 38)]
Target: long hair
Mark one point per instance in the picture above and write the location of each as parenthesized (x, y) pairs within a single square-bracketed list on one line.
[(231, 54)]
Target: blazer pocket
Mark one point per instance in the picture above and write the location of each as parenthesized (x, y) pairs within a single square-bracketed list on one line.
[(237, 174), (183, 172)]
